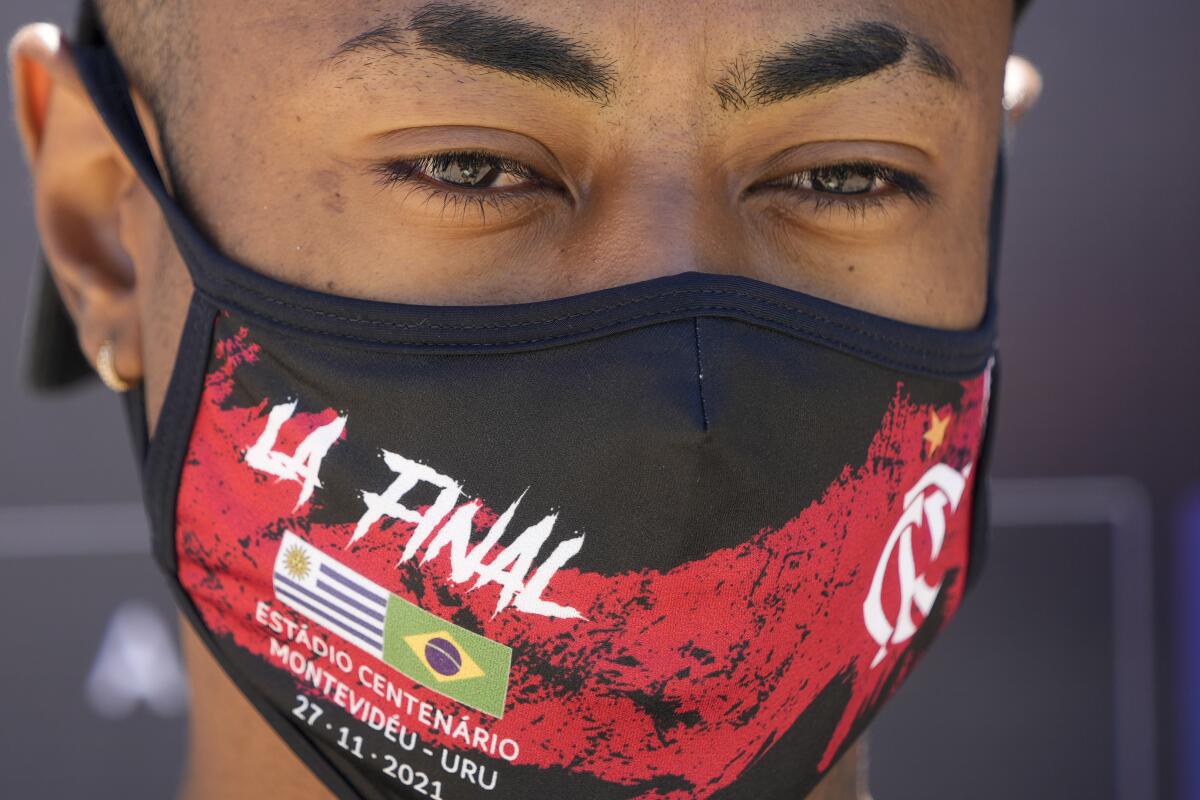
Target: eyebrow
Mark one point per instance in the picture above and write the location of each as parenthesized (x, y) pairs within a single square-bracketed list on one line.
[(828, 59), (499, 42), (534, 52)]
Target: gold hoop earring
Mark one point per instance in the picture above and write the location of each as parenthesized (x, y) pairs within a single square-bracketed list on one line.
[(106, 368)]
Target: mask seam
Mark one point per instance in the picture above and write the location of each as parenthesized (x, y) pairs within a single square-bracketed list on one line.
[(700, 373)]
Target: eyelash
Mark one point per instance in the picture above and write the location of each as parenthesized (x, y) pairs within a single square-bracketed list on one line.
[(856, 205), (411, 172)]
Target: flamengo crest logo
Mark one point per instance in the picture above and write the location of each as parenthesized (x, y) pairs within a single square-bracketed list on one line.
[(947, 485)]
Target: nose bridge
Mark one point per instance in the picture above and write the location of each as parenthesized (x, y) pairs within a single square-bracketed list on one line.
[(654, 219), (655, 209)]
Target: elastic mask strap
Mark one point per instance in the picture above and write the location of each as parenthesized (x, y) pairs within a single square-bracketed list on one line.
[(105, 81), (108, 86)]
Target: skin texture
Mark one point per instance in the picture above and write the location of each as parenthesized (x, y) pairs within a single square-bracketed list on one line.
[(281, 160)]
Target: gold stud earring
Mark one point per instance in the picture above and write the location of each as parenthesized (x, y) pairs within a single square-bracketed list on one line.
[(106, 368)]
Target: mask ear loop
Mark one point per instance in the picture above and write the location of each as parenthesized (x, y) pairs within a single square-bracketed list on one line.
[(108, 86), (105, 81)]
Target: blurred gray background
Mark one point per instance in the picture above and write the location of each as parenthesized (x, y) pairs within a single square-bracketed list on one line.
[(1068, 675)]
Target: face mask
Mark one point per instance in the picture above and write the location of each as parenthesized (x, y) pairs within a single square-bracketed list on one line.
[(675, 539)]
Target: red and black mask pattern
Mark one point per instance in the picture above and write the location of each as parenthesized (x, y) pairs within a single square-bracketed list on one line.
[(624, 581)]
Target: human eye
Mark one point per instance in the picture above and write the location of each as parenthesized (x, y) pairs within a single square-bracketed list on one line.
[(855, 187), (469, 181)]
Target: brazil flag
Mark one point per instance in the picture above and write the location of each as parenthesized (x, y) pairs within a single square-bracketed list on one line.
[(445, 657)]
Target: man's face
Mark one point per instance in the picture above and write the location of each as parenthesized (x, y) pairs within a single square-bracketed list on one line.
[(354, 148), (509, 151)]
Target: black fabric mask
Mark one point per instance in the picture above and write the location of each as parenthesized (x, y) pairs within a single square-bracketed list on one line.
[(675, 539)]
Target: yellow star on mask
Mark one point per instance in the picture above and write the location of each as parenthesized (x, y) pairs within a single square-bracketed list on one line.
[(937, 430)]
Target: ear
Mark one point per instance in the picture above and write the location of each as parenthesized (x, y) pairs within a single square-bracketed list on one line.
[(1022, 88), (83, 190)]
